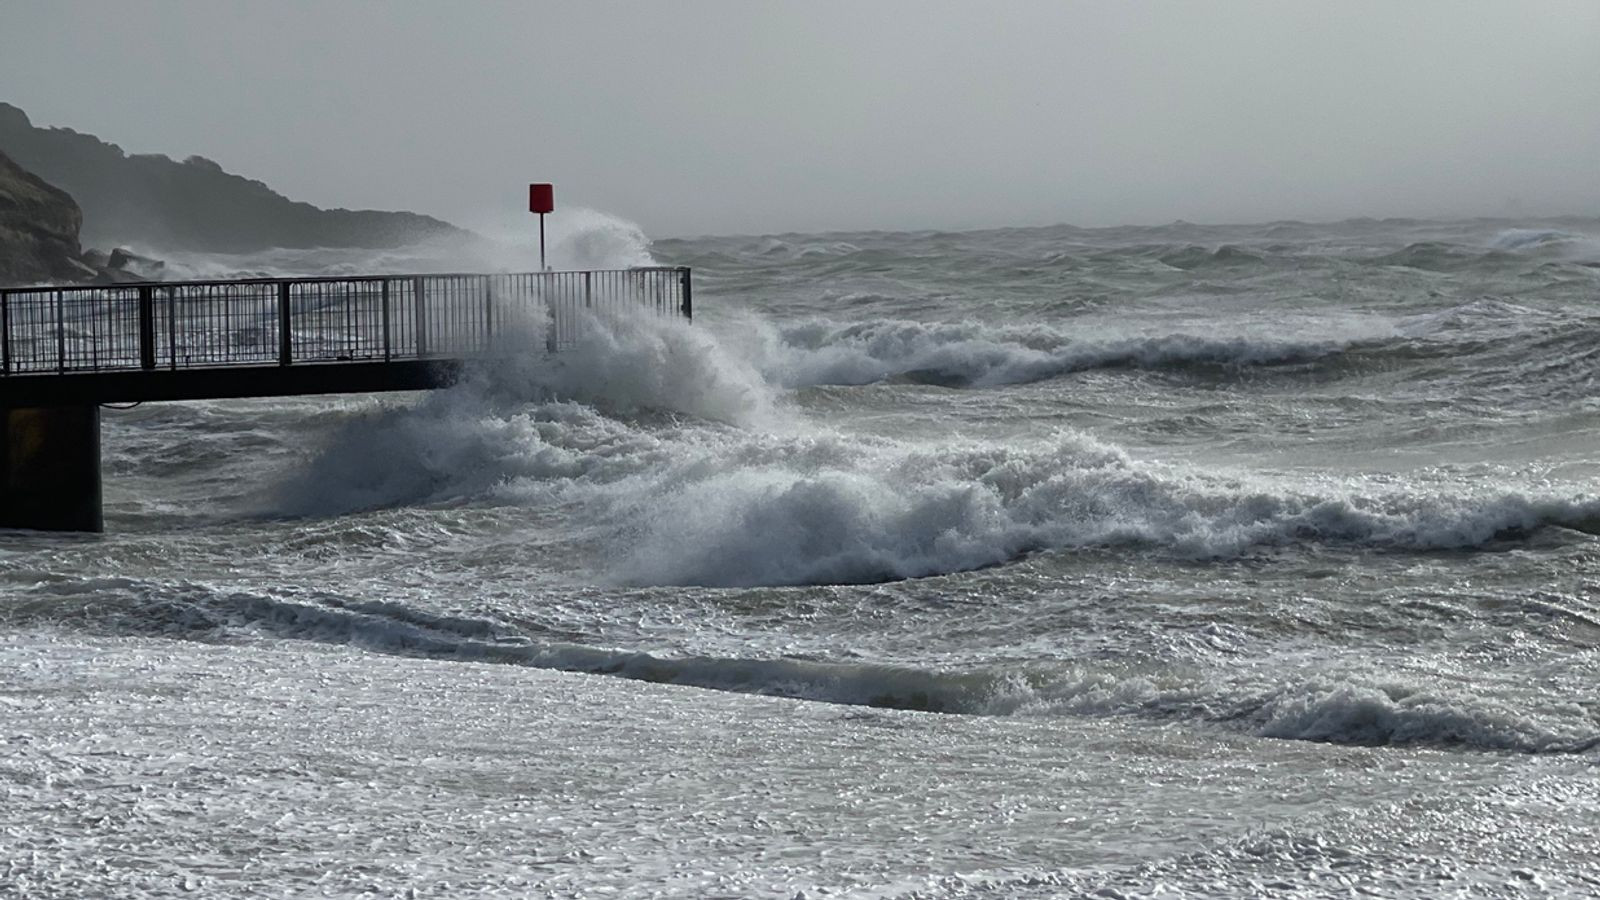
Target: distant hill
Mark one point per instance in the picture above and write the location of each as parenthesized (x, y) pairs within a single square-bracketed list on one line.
[(155, 201)]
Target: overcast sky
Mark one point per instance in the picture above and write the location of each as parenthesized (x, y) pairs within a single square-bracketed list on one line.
[(748, 117)]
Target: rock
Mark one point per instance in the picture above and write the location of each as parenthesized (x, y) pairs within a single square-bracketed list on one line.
[(78, 270), (200, 162), (123, 260), (12, 118), (38, 229)]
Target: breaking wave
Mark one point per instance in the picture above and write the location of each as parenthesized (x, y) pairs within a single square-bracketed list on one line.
[(530, 418), (680, 453), (1508, 246), (1352, 709), (1440, 256), (827, 512), (1548, 242), (1194, 257), (975, 355), (689, 502)]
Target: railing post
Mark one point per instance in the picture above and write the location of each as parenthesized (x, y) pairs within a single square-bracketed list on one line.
[(285, 341), (61, 334), (147, 328), (547, 299), (422, 316), (688, 295), (588, 290), (488, 310), (385, 295), (5, 332), (172, 328)]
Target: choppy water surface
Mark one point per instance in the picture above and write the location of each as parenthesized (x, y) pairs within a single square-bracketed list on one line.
[(1253, 559)]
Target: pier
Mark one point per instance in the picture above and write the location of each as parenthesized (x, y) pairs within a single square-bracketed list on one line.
[(66, 351)]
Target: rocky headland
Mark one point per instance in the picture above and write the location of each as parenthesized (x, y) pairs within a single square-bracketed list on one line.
[(83, 188), (38, 230)]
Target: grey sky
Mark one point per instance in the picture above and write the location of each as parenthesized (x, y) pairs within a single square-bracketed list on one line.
[(758, 117)]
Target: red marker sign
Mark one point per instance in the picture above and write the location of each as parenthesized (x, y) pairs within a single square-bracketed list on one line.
[(541, 198)]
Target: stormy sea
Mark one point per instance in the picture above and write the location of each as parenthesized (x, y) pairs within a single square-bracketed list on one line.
[(1122, 562)]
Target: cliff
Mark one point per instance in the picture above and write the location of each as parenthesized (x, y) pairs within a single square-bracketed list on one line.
[(155, 201), (38, 230)]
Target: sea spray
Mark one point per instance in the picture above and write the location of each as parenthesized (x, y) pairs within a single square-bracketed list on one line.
[(626, 364), (579, 239), (521, 414)]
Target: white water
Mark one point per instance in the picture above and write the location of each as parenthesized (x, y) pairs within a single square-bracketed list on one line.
[(1249, 560)]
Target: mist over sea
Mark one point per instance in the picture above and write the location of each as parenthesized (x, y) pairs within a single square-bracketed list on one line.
[(1130, 562)]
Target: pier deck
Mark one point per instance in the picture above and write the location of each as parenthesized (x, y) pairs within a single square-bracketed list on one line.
[(279, 336), (65, 351)]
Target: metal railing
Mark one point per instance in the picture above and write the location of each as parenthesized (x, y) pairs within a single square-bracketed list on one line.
[(288, 321)]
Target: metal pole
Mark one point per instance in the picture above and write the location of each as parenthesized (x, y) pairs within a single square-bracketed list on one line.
[(172, 327), (421, 316), (542, 266), (547, 300), (61, 334), (147, 328), (488, 309), (285, 345), (688, 296), (386, 345), (5, 332)]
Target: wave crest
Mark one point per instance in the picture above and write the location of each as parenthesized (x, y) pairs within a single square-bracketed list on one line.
[(1341, 710), (881, 516), (973, 355)]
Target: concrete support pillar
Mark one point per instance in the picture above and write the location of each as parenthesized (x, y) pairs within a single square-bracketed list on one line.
[(50, 468)]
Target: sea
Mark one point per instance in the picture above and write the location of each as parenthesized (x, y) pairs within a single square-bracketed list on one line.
[(1136, 562)]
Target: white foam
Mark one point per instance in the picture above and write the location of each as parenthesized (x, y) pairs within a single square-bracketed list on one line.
[(631, 364), (691, 501), (876, 513), (683, 456)]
